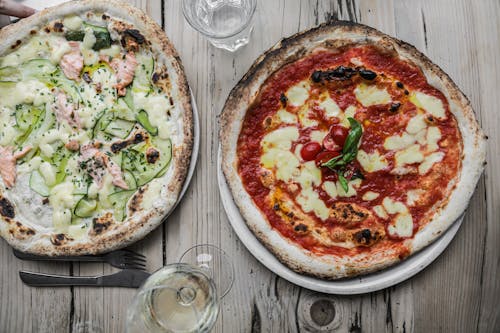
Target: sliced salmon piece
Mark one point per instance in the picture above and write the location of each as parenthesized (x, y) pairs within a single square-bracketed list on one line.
[(65, 111), (72, 62), (97, 161), (115, 171), (72, 145), (8, 164), (125, 70)]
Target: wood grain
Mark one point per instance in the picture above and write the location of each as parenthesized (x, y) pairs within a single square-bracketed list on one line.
[(458, 293)]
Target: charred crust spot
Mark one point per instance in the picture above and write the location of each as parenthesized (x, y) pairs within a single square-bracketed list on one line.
[(105, 17), (47, 29), (100, 224), (59, 239), (135, 34), (136, 200), (86, 77), (117, 146), (394, 107), (276, 206), (407, 92), (399, 85), (367, 237), (16, 44), (33, 32), (268, 121), (171, 100), (58, 26), (152, 155), (6, 208), (45, 201), (346, 213), (283, 100), (155, 77)]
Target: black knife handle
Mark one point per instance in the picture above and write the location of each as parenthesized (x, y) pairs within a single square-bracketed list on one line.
[(29, 256), (44, 280)]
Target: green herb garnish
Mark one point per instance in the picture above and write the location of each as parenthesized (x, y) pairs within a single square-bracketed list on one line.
[(349, 152)]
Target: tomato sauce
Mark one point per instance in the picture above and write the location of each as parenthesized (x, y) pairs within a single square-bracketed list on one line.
[(399, 78)]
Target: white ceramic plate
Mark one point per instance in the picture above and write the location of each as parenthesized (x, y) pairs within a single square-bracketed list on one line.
[(359, 285), (194, 152)]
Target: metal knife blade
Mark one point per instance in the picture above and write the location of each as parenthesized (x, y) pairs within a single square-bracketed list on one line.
[(129, 278)]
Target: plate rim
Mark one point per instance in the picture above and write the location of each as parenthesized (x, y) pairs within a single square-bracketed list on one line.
[(357, 285)]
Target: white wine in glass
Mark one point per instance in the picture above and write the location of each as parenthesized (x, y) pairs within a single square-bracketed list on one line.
[(182, 297)]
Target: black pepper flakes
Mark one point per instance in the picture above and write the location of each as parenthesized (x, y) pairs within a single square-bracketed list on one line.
[(283, 100), (394, 107)]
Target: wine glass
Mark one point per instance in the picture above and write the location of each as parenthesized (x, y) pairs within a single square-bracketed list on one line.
[(184, 296)]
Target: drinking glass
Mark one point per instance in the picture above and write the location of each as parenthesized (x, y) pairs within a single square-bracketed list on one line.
[(183, 297), (225, 23)]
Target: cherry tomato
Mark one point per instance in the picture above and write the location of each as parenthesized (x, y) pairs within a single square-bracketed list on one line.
[(339, 134), (330, 144), (325, 156), (310, 150)]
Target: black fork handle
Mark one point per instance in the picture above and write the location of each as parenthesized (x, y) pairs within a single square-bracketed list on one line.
[(29, 256)]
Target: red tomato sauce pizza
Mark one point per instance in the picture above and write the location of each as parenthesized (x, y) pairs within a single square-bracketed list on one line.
[(347, 150)]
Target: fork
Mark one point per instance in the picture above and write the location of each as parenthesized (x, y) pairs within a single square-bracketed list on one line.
[(124, 259)]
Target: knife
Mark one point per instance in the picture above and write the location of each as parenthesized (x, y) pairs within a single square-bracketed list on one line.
[(129, 278)]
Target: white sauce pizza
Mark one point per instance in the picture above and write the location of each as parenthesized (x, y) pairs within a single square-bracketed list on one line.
[(95, 128)]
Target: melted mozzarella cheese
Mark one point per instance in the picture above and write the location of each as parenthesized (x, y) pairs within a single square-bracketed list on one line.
[(351, 189), (286, 117), (416, 124), (429, 103), (370, 195), (309, 175), (369, 95), (429, 161), (371, 162), (394, 207), (304, 117), (409, 155), (310, 201), (26, 92), (328, 104), (380, 211), (89, 39), (73, 22), (412, 196), (298, 94), (402, 225), (349, 112), (280, 138), (397, 142), (433, 136), (318, 136), (48, 173), (330, 188)]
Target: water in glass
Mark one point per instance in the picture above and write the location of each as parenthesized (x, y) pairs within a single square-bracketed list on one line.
[(226, 23)]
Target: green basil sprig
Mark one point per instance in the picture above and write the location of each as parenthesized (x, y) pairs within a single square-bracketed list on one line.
[(349, 152)]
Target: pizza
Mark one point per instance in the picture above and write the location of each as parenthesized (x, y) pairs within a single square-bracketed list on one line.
[(347, 150), (96, 128)]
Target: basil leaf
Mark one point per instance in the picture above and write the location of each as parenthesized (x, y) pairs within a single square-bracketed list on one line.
[(352, 140), (343, 182), (332, 163)]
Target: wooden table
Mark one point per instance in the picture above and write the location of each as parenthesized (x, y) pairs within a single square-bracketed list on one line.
[(459, 292)]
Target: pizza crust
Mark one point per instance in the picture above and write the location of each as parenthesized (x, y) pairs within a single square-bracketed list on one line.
[(332, 36), (27, 237)]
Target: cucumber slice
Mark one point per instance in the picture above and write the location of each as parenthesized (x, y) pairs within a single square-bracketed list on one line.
[(147, 172), (85, 207), (10, 73), (119, 201), (38, 68), (119, 128), (143, 73), (37, 184), (130, 179), (129, 99), (28, 120), (143, 119)]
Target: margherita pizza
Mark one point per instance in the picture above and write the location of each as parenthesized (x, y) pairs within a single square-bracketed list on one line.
[(347, 150), (95, 128)]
